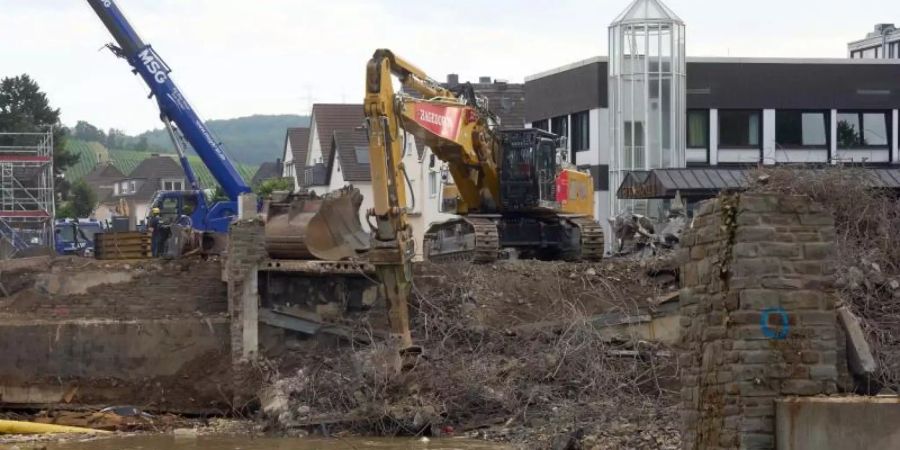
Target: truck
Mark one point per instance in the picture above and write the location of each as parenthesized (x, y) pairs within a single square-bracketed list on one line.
[(76, 236)]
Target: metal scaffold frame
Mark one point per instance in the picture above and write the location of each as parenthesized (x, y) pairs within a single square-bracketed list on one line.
[(27, 205)]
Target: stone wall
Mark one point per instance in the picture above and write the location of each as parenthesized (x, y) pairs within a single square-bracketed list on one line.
[(751, 263)]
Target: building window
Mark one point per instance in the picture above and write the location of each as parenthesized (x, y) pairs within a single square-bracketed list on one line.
[(541, 125), (432, 184), (560, 126), (633, 134), (863, 129), (740, 129), (802, 129), (173, 185), (362, 155), (168, 208), (698, 128), (581, 131)]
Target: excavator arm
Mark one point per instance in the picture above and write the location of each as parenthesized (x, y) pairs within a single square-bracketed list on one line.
[(392, 246), (459, 132)]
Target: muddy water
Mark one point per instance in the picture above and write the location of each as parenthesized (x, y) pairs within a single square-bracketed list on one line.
[(241, 443)]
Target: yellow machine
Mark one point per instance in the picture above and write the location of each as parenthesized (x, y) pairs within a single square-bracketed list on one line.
[(515, 187)]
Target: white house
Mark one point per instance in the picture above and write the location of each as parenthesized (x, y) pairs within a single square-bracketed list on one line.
[(296, 146), (349, 164), (326, 119)]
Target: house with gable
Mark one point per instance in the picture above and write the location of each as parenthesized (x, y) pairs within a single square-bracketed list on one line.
[(349, 164), (267, 171), (296, 146), (132, 195), (326, 118), (102, 181)]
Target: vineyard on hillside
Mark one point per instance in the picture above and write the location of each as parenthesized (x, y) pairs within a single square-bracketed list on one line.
[(92, 153)]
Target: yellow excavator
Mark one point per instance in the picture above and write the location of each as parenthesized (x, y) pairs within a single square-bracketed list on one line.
[(513, 189)]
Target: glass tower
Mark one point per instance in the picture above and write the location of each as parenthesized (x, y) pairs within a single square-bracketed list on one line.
[(646, 97)]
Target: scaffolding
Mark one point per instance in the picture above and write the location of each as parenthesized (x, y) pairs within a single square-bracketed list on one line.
[(26, 192)]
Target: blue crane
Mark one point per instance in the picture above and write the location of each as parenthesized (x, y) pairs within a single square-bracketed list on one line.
[(182, 123)]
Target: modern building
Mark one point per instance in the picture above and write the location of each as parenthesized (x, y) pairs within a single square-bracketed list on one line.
[(882, 43), (505, 99), (740, 112)]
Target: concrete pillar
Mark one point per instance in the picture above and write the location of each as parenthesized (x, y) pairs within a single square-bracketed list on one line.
[(834, 137), (250, 314), (247, 206), (896, 144), (713, 137), (758, 317), (768, 137)]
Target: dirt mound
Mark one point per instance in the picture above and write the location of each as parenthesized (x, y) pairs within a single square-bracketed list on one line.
[(485, 374)]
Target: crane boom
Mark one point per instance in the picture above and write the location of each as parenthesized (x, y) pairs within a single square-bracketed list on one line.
[(173, 106)]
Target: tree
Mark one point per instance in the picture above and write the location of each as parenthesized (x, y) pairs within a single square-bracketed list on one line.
[(115, 138), (84, 200), (25, 109), (65, 211), (267, 187), (87, 132), (848, 137)]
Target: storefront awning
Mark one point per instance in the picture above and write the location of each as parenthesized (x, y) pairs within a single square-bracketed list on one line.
[(708, 182)]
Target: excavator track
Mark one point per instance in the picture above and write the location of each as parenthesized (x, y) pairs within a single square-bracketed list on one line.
[(487, 239), (484, 248), (592, 239)]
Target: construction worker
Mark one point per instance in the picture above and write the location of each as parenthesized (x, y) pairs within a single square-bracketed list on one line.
[(155, 228)]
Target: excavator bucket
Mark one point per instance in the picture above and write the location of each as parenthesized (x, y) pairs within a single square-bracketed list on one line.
[(306, 226)]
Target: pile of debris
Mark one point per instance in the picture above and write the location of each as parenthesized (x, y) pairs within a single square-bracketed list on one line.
[(638, 235), (512, 353)]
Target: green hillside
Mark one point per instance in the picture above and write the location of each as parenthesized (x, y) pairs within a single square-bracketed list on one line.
[(90, 153), (250, 140)]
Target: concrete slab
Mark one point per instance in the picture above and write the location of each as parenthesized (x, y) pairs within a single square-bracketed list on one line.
[(65, 284), (859, 353), (837, 423), (168, 364)]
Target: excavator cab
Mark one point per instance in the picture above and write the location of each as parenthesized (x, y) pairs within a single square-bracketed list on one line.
[(529, 170)]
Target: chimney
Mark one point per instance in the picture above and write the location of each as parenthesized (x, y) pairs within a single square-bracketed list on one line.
[(484, 80), (453, 80)]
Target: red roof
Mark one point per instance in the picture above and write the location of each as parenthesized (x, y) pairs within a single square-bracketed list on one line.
[(24, 158)]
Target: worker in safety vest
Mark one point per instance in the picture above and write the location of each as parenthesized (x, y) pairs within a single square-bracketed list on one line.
[(155, 228)]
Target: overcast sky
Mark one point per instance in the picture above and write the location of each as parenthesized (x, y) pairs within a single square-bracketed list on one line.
[(236, 58)]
